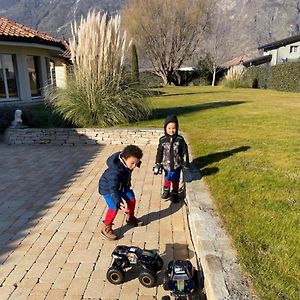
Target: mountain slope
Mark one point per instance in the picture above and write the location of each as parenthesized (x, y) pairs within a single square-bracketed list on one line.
[(248, 23)]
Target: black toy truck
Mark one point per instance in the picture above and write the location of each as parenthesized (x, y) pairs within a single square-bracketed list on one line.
[(147, 261), (180, 280)]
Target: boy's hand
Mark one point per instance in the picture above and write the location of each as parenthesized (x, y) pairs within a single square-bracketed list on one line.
[(157, 169), (124, 206)]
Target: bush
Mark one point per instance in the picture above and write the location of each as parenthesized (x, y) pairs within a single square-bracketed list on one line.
[(234, 77), (200, 81), (234, 83), (285, 77), (97, 93), (256, 77), (150, 80), (7, 115), (108, 107)]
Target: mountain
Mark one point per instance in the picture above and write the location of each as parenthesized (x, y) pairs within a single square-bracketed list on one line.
[(247, 23), (53, 16)]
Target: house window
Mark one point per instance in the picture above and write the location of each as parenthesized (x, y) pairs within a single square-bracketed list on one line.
[(33, 65), (293, 49), (8, 83)]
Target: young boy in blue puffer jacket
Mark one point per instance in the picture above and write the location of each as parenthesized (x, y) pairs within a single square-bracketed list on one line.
[(114, 186)]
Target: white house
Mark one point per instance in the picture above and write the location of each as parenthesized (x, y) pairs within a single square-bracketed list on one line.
[(29, 60), (283, 51)]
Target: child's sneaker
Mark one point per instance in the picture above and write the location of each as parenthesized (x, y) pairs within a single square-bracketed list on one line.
[(166, 193), (175, 198), (134, 221), (108, 233)]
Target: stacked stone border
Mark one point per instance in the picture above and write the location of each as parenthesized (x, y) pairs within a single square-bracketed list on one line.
[(82, 136)]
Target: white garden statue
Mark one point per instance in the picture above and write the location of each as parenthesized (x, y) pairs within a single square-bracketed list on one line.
[(17, 122)]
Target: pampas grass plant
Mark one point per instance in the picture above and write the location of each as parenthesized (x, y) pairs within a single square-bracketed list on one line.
[(234, 77), (96, 93)]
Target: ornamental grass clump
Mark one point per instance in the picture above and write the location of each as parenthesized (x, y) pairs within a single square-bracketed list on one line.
[(97, 93), (234, 77)]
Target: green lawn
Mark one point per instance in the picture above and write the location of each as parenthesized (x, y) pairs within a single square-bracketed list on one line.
[(246, 143)]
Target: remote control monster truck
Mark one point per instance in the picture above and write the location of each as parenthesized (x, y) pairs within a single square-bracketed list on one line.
[(148, 262)]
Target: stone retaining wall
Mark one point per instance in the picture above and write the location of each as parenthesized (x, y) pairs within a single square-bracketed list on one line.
[(82, 136)]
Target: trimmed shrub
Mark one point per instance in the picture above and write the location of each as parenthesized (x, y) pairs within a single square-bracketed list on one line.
[(256, 77), (134, 65), (285, 77)]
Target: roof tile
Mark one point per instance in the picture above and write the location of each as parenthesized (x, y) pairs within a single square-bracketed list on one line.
[(10, 29)]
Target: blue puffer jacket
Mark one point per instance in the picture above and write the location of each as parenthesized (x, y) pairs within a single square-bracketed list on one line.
[(115, 179)]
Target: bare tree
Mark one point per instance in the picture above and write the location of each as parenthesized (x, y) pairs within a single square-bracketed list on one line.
[(168, 31), (217, 49)]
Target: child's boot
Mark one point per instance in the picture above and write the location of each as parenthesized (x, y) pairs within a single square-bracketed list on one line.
[(107, 232), (166, 193), (175, 198), (131, 219), (134, 221)]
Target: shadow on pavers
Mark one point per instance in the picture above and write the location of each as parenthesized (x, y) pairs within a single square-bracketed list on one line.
[(152, 216), (38, 176)]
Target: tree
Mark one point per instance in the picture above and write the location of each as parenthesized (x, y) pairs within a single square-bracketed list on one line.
[(134, 65), (168, 31), (217, 48)]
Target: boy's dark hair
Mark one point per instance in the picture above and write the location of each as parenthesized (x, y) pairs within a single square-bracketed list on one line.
[(132, 150)]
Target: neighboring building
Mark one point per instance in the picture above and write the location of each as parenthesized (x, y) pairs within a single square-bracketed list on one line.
[(283, 51), (246, 61), (29, 60), (234, 62)]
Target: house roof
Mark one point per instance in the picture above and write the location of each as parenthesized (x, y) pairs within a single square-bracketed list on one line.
[(11, 31), (235, 61), (280, 43), (257, 60)]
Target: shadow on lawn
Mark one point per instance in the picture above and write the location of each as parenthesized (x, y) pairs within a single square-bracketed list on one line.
[(202, 162), (164, 94), (181, 110)]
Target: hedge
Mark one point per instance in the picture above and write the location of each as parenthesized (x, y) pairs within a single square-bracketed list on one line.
[(256, 77), (285, 77)]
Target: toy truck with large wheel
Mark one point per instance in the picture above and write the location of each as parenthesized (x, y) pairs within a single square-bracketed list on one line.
[(148, 262), (180, 280)]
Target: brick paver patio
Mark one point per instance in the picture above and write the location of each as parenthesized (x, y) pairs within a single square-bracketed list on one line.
[(50, 221)]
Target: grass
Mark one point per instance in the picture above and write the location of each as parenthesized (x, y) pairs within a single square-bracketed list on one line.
[(246, 143)]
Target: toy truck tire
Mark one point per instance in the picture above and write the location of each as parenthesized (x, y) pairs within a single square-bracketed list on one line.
[(115, 275), (147, 278), (159, 263)]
